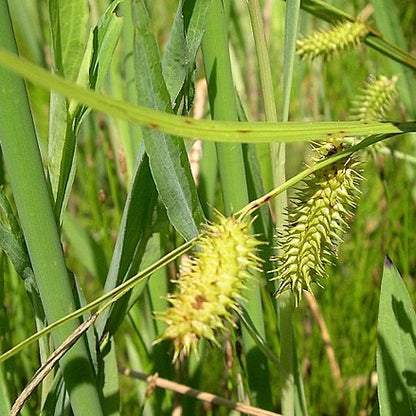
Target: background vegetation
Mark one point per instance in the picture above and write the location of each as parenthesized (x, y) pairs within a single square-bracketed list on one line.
[(117, 210)]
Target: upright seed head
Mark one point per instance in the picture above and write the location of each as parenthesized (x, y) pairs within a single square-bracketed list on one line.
[(210, 287), (317, 220), (375, 99), (328, 43)]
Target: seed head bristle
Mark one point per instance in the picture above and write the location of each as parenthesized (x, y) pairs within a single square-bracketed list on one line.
[(375, 99), (210, 286), (329, 43), (317, 220)]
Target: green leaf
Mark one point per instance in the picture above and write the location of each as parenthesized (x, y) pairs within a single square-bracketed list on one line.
[(106, 35), (91, 66), (69, 28), (135, 230), (184, 40), (12, 241), (98, 54), (31, 193), (213, 130), (388, 21), (167, 155), (257, 337), (57, 399), (396, 346), (5, 404), (111, 388), (85, 248)]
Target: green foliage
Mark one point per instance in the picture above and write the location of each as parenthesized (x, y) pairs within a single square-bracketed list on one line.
[(120, 203), (396, 355)]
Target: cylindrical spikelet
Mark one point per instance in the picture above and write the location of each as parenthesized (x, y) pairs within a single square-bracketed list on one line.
[(375, 99), (328, 43), (317, 220), (211, 285)]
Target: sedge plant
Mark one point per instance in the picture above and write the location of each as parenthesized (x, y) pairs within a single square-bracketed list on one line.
[(118, 205)]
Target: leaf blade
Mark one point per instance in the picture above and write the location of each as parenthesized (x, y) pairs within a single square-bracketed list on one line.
[(219, 131), (167, 155), (396, 353)]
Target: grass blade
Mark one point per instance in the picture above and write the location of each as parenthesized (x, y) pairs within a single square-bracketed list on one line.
[(285, 304), (396, 354), (131, 241), (178, 62), (68, 31), (387, 19), (167, 155), (219, 131), (222, 99), (30, 189)]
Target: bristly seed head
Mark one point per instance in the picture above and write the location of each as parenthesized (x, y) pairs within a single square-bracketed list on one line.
[(210, 287), (375, 99), (317, 219), (342, 36)]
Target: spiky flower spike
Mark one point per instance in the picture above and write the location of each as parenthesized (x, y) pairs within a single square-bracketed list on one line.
[(375, 99), (210, 286), (342, 36), (317, 219)]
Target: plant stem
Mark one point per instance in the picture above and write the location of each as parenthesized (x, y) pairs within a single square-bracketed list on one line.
[(33, 201), (286, 352), (265, 73), (266, 83), (233, 178), (287, 346)]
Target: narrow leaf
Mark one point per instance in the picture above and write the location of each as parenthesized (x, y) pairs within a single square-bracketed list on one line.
[(213, 130), (68, 25), (396, 346), (31, 194), (85, 248), (68, 30), (388, 21), (12, 241), (184, 40), (167, 155), (135, 230)]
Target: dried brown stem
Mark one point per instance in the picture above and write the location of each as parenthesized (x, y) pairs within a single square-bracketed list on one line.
[(156, 381), (48, 366), (326, 338)]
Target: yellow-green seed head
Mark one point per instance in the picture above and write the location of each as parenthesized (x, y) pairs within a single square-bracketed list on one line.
[(328, 43), (210, 286), (375, 99), (317, 220)]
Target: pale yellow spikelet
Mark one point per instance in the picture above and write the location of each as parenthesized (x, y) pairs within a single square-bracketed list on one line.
[(211, 285), (375, 99), (317, 219), (328, 43)]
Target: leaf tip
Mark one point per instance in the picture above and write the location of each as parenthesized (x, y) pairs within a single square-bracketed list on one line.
[(388, 262)]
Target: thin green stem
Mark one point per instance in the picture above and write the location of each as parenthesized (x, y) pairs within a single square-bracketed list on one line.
[(233, 178), (129, 284), (266, 84), (287, 346), (250, 208), (114, 295), (266, 81), (285, 303)]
